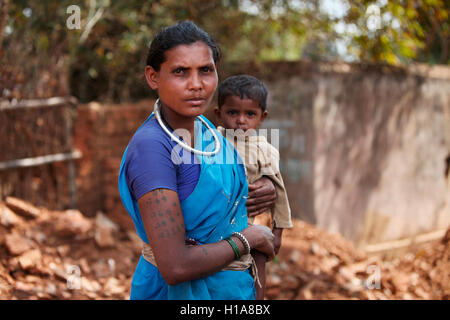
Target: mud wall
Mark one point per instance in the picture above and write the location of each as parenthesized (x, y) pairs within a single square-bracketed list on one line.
[(102, 133), (363, 148)]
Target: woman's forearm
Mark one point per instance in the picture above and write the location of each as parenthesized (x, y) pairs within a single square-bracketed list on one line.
[(202, 260), (177, 262)]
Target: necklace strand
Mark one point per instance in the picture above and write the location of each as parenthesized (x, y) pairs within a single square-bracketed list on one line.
[(181, 143)]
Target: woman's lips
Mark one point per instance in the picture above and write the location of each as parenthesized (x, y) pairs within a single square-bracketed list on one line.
[(196, 101)]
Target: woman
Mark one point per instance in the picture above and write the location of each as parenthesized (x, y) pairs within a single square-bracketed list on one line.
[(187, 205)]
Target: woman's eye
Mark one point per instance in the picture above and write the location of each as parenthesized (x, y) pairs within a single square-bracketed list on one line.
[(178, 70), (206, 69)]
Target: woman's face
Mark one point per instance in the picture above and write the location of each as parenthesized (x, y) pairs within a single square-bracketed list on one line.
[(186, 80)]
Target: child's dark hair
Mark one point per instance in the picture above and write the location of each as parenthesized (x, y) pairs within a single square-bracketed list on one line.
[(185, 32), (243, 86)]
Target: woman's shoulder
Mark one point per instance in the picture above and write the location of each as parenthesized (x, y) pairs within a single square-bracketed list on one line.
[(149, 142), (150, 133)]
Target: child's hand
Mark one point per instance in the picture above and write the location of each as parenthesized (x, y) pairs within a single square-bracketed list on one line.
[(261, 196), (277, 232)]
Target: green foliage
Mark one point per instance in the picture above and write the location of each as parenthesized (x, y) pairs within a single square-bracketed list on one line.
[(407, 31), (105, 59)]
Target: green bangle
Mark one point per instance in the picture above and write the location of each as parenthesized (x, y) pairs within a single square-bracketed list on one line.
[(237, 253)]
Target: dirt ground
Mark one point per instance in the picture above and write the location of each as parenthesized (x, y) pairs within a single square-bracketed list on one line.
[(48, 254)]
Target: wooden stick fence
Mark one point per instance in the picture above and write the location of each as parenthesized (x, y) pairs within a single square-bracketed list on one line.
[(22, 136)]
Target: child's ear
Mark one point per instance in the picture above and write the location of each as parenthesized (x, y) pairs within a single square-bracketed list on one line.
[(151, 75), (263, 117)]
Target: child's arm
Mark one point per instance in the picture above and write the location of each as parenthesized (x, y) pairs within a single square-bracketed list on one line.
[(281, 211), (260, 260), (277, 232), (261, 196)]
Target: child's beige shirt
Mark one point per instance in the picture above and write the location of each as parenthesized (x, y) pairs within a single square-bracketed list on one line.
[(262, 159)]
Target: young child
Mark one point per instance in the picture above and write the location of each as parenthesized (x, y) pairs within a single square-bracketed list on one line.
[(242, 105)]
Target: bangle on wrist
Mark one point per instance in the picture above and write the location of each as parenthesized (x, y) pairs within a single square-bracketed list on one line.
[(244, 240), (237, 253)]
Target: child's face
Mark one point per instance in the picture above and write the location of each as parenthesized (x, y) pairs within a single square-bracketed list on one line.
[(237, 113), (186, 80)]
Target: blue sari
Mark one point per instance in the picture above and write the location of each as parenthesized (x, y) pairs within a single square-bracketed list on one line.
[(214, 209)]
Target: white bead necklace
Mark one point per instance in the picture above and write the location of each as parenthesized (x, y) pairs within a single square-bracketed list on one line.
[(181, 143)]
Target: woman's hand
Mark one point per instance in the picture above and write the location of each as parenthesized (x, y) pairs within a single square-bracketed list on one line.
[(261, 196), (260, 238)]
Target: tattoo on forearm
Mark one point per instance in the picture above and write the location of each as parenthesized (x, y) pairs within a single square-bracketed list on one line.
[(166, 224)]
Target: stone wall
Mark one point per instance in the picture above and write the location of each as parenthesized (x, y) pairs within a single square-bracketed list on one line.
[(363, 148)]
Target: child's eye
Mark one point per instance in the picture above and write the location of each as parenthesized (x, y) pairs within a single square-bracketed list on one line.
[(231, 112), (251, 114)]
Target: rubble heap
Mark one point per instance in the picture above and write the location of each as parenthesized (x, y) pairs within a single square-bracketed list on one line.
[(47, 254), (313, 264)]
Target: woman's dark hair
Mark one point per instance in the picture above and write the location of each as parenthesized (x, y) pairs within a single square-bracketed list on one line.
[(243, 86), (185, 32)]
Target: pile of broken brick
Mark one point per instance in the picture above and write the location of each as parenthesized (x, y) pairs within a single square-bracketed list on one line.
[(314, 264), (47, 254)]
